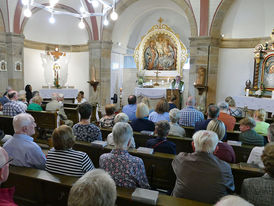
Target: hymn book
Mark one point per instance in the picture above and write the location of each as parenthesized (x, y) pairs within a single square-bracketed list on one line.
[(145, 196), (145, 150), (99, 143)]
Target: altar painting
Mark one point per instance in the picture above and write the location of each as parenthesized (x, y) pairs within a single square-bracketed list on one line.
[(160, 50), (267, 77)]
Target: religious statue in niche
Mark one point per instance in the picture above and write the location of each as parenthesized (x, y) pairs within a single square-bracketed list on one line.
[(160, 49), (3, 66), (160, 53), (18, 66), (55, 64)]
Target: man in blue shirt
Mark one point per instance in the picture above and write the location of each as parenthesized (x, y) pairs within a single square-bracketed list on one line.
[(212, 113), (130, 109), (190, 115), (21, 148)]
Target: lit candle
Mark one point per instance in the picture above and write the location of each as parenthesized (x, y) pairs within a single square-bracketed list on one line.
[(151, 82), (247, 92), (121, 90), (162, 82), (93, 74), (167, 80)]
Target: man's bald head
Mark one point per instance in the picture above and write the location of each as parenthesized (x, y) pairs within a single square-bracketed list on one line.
[(13, 95)]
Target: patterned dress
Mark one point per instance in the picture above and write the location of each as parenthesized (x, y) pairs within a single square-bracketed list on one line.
[(107, 121), (126, 170), (87, 132)]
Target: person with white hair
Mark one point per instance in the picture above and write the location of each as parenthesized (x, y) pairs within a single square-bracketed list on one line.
[(126, 170), (225, 116), (6, 194), (56, 104), (121, 117), (190, 115), (95, 188), (201, 176), (21, 147), (12, 107), (175, 128), (232, 200)]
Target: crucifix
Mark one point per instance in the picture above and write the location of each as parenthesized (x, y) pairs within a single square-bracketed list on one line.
[(157, 73)]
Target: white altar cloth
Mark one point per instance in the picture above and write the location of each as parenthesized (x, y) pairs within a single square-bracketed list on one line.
[(255, 103), (68, 93), (153, 93)]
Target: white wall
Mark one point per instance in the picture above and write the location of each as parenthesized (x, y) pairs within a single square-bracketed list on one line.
[(78, 70), (236, 66)]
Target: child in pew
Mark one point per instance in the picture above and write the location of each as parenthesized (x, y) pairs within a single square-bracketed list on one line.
[(160, 144), (6, 194), (248, 134)]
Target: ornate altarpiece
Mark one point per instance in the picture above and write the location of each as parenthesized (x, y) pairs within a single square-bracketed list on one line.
[(160, 50), (264, 67)]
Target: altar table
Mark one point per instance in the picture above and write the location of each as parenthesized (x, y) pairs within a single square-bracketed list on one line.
[(153, 93), (254, 103), (68, 93)]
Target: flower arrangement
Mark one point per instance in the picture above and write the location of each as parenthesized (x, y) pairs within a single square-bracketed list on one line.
[(140, 77)]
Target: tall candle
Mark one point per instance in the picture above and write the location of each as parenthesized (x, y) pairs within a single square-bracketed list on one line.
[(93, 73), (121, 90), (247, 92)]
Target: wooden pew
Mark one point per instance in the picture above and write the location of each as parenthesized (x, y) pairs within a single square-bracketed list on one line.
[(158, 166), (72, 114), (68, 105), (6, 124), (38, 187)]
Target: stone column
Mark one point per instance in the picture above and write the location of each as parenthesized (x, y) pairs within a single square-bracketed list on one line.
[(15, 54), (204, 51), (100, 59)]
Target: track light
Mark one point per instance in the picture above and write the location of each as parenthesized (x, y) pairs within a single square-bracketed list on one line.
[(52, 19), (114, 15), (81, 24), (95, 3), (105, 22), (27, 13)]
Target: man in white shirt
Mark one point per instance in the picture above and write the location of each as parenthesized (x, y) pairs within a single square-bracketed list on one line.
[(256, 153)]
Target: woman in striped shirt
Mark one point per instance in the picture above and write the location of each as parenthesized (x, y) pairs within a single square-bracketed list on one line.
[(62, 159)]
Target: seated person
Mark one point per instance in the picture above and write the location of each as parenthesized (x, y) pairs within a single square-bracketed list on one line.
[(232, 200), (130, 109), (22, 99), (20, 147), (261, 125), (172, 104), (161, 112), (36, 103), (256, 153), (1, 109), (175, 128), (259, 190), (56, 104), (108, 120), (146, 101), (80, 98), (62, 159), (224, 151), (160, 144), (201, 176), (126, 170), (141, 122), (84, 130), (248, 135), (225, 117), (233, 110), (95, 188), (12, 108), (121, 117), (6, 194)]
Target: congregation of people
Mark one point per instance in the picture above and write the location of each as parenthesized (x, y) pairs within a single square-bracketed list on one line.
[(204, 175)]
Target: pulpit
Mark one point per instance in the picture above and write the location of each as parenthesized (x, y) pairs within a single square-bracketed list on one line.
[(154, 94)]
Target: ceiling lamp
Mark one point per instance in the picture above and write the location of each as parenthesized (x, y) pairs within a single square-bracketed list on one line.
[(105, 7)]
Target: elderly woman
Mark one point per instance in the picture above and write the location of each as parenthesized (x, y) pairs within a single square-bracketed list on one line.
[(121, 117), (84, 130), (80, 98), (225, 151), (261, 125), (233, 110), (260, 190), (95, 188), (36, 103), (126, 170), (248, 134), (62, 159), (160, 144), (108, 120), (21, 100), (161, 112), (175, 128), (141, 122)]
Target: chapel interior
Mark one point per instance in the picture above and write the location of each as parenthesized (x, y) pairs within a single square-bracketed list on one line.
[(73, 50)]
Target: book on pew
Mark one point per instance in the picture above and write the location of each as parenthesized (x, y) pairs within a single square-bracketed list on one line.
[(145, 196), (145, 150), (99, 143), (234, 143), (149, 133)]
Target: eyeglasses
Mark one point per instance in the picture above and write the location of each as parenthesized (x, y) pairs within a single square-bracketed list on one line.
[(3, 164)]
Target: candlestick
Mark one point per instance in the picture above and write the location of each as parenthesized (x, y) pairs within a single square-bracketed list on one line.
[(247, 92)]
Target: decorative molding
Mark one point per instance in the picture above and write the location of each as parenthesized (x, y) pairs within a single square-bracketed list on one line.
[(242, 42), (64, 48)]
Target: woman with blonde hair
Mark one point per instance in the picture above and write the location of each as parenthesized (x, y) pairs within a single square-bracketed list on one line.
[(161, 112), (146, 101), (35, 104), (261, 126), (233, 110), (225, 151), (141, 122)]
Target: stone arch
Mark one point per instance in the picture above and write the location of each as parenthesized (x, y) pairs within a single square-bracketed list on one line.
[(2, 23), (124, 4), (218, 18)]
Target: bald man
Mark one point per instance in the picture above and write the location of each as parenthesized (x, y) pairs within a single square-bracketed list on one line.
[(6, 194), (12, 107), (190, 115)]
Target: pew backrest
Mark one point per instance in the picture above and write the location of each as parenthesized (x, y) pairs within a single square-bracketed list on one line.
[(6, 124)]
